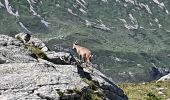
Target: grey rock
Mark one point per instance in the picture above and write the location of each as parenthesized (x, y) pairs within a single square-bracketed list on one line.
[(60, 57), (12, 50), (164, 78), (38, 43), (6, 41), (23, 77)]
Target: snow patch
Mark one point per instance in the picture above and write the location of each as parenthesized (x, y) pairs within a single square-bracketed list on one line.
[(83, 11), (9, 9), (118, 1), (33, 1), (128, 26), (88, 23), (45, 22), (22, 25), (104, 0), (1, 5), (130, 1), (57, 5), (133, 20), (96, 25), (161, 5), (167, 11), (36, 14), (32, 8), (70, 11), (82, 3), (146, 7)]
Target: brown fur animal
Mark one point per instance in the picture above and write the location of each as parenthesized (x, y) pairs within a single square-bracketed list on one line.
[(83, 52)]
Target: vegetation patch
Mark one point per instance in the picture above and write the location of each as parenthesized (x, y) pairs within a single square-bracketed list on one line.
[(147, 91), (61, 94), (92, 92), (37, 51)]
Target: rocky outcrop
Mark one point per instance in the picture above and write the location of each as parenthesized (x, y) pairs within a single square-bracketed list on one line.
[(157, 73), (38, 43), (13, 51), (164, 78), (23, 76)]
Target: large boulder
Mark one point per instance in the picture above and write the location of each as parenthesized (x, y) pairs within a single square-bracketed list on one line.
[(164, 78), (12, 50), (60, 57), (38, 43), (25, 77)]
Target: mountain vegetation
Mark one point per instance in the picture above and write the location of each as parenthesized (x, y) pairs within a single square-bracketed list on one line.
[(129, 38)]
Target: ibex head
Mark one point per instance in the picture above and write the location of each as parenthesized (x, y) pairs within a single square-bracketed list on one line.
[(74, 44)]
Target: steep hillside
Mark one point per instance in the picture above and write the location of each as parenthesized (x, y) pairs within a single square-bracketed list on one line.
[(129, 38), (26, 75)]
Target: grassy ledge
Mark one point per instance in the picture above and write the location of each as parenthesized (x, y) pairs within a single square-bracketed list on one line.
[(147, 91), (37, 51)]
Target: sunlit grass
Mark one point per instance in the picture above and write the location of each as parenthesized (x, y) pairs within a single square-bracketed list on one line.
[(142, 91)]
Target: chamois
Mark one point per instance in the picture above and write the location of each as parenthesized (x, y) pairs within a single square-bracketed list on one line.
[(83, 53)]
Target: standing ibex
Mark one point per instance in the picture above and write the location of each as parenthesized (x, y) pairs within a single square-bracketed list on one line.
[(83, 52)]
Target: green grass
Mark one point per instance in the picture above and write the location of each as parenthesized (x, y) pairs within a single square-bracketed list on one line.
[(147, 91), (119, 42), (37, 51)]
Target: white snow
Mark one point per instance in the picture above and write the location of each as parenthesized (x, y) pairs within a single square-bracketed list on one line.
[(88, 23), (161, 5), (31, 8), (132, 18), (103, 26), (146, 7), (99, 26), (104, 0), (33, 1), (125, 5), (83, 11), (24, 27), (9, 9), (57, 5), (82, 3), (130, 1), (70, 11), (1, 5), (167, 11), (156, 20), (45, 22), (128, 26)]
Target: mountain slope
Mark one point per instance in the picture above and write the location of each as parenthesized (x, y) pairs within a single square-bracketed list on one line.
[(24, 75), (129, 38)]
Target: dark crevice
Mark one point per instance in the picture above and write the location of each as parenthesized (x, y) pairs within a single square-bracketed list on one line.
[(44, 97)]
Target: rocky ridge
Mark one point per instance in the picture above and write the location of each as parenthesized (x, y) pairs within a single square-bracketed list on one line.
[(24, 75)]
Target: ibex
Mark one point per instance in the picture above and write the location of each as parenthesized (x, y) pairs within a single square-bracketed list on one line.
[(83, 53)]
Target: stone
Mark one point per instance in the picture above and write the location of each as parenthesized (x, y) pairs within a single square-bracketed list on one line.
[(38, 43), (25, 77), (164, 78), (60, 57)]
